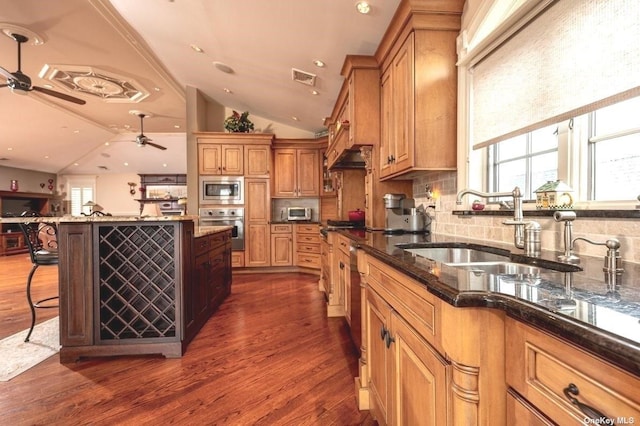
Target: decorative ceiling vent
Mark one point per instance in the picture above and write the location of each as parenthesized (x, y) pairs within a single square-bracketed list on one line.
[(107, 86), (303, 77)]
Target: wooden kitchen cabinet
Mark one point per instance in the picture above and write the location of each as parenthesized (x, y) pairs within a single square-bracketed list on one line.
[(257, 218), (281, 244), (408, 378), (355, 120), (418, 96), (217, 159), (257, 161), (541, 367), (307, 242), (296, 172)]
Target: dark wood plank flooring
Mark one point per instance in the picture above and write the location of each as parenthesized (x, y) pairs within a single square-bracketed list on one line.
[(269, 356)]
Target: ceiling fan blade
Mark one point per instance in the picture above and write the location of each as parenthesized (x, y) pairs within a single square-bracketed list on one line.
[(155, 145), (6, 74), (4, 85), (58, 95)]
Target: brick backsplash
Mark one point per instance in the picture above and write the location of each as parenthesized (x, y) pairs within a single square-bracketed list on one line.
[(491, 228)]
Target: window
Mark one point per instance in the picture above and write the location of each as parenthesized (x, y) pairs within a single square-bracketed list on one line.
[(526, 161), (81, 191), (614, 152)]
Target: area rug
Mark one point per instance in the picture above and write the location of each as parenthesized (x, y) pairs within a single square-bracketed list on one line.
[(17, 356)]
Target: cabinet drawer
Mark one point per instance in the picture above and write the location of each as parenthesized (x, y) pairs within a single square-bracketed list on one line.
[(308, 248), (541, 367), (308, 260), (219, 238), (281, 229), (308, 229), (308, 238), (410, 299)]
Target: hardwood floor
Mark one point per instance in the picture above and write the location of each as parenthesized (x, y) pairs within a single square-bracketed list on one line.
[(269, 356)]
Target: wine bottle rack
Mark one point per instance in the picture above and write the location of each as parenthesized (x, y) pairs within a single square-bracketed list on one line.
[(137, 281)]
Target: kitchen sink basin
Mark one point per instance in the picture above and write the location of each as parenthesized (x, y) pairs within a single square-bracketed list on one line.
[(497, 268), (458, 255)]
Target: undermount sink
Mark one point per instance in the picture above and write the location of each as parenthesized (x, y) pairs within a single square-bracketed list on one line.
[(497, 268), (475, 261), (458, 255)]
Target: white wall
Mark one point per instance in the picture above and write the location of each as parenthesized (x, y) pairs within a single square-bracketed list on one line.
[(112, 193)]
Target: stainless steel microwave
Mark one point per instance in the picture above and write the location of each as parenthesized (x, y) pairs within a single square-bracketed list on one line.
[(298, 213), (222, 190)]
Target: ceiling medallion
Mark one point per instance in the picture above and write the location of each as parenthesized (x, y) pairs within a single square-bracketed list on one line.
[(107, 86)]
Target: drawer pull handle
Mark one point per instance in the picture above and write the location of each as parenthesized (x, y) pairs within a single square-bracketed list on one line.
[(571, 392), (383, 332), (341, 265), (389, 340)]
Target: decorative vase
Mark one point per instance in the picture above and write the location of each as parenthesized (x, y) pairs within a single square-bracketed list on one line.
[(14, 185)]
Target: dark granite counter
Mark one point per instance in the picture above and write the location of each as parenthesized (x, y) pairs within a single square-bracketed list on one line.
[(575, 304)]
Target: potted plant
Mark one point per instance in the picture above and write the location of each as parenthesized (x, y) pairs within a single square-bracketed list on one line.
[(238, 123)]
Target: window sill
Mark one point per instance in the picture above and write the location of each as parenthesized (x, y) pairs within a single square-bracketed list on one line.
[(598, 214)]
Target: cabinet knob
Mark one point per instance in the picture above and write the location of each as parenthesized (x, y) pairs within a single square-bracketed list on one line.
[(383, 332), (388, 340)]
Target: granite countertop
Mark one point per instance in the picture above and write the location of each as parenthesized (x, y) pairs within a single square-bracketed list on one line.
[(202, 231), (577, 305)]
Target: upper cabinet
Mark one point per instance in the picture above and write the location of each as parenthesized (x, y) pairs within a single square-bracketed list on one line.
[(297, 166), (234, 154), (355, 120), (418, 90)]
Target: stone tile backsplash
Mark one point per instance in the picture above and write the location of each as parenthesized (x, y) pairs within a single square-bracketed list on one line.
[(491, 228)]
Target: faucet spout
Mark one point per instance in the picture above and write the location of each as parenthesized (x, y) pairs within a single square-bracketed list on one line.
[(483, 194)]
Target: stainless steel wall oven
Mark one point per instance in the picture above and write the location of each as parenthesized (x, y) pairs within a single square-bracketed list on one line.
[(225, 216)]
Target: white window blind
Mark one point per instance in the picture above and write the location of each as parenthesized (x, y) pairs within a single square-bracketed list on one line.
[(575, 57)]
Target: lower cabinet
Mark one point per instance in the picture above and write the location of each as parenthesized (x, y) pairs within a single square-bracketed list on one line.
[(307, 237), (132, 288), (281, 244), (408, 378), (211, 280), (552, 379), (259, 242)]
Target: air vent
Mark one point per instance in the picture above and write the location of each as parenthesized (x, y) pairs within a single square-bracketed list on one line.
[(93, 81), (303, 77)]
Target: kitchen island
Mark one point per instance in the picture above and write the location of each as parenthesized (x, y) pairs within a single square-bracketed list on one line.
[(137, 285), (537, 347)]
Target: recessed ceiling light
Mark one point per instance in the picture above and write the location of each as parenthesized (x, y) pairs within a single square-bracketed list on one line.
[(164, 164), (107, 143), (176, 126), (223, 67), (46, 156), (9, 149), (363, 7), (318, 63), (294, 118), (157, 89), (315, 92), (76, 164), (227, 90), (126, 164), (196, 48)]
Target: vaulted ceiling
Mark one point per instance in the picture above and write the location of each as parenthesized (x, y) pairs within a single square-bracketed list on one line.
[(128, 57)]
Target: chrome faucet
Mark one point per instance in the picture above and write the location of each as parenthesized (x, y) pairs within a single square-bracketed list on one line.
[(527, 233)]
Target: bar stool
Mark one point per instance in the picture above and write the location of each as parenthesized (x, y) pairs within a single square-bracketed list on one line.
[(41, 240)]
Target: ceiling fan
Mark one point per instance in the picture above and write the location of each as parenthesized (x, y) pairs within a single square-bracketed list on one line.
[(19, 82), (142, 140)]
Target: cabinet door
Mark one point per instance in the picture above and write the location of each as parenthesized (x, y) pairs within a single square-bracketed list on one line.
[(418, 378), (257, 161), (200, 289), (209, 159), (387, 123), (377, 314), (257, 200), (308, 172), (403, 93), (258, 247), (284, 179), (232, 160), (345, 283), (281, 250)]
